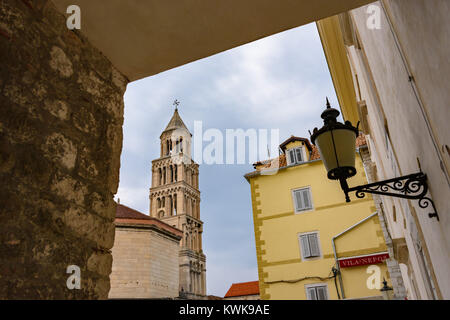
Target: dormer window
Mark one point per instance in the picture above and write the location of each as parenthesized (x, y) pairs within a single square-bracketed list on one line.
[(295, 155)]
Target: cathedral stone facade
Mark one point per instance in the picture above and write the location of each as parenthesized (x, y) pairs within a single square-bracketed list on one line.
[(145, 257), (175, 199)]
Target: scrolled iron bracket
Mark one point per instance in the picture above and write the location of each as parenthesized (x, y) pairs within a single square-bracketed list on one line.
[(413, 187)]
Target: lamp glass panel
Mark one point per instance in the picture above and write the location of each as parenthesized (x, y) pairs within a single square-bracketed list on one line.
[(344, 141)]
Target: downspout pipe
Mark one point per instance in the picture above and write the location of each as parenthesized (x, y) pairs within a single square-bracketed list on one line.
[(335, 251)]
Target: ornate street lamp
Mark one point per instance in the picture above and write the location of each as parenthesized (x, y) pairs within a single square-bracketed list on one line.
[(386, 291), (336, 143)]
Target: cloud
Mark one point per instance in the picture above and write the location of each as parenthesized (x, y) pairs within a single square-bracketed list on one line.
[(134, 197), (220, 277)]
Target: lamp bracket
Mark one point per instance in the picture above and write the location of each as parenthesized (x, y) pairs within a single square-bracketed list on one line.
[(413, 187)]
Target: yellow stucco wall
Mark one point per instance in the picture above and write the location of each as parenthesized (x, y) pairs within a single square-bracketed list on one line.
[(277, 228)]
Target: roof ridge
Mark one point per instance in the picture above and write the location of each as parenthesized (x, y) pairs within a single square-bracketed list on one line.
[(245, 282), (134, 210), (137, 215)]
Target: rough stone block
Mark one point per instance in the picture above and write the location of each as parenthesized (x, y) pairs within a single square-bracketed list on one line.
[(60, 101)]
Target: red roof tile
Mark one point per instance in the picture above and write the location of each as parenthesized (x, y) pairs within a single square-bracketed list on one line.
[(361, 140), (243, 289), (314, 153), (128, 213)]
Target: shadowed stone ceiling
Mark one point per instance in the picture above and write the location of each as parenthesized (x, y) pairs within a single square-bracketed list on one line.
[(145, 37)]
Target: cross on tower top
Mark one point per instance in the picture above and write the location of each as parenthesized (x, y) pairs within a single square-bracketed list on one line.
[(176, 103)]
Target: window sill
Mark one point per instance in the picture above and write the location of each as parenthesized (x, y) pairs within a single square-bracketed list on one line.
[(311, 258), (304, 211)]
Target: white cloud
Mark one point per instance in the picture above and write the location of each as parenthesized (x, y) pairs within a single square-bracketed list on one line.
[(255, 86), (134, 197), (220, 277)]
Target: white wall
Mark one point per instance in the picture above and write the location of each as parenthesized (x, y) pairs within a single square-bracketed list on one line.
[(417, 120)]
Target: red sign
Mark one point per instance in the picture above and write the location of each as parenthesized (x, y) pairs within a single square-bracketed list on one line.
[(364, 260)]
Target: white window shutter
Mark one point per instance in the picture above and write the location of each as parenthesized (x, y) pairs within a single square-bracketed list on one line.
[(312, 294), (298, 200), (314, 245), (302, 199), (291, 156), (299, 154), (321, 293), (305, 246), (306, 199)]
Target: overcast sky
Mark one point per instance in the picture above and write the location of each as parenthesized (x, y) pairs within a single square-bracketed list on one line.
[(279, 82)]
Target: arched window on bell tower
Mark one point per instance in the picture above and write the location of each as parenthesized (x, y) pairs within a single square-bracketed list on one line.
[(175, 208), (169, 208), (177, 146), (164, 175)]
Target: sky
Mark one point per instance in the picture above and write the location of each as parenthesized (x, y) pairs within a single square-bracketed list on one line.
[(279, 82)]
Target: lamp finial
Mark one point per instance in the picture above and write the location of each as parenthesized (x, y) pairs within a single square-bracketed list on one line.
[(328, 104)]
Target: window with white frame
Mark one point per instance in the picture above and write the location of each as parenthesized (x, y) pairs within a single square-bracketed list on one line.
[(302, 199), (317, 292), (295, 155), (309, 245)]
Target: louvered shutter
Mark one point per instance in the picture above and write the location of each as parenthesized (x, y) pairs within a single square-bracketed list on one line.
[(299, 154), (306, 199), (291, 156), (305, 246), (302, 200), (314, 245), (312, 293), (321, 293), (298, 200)]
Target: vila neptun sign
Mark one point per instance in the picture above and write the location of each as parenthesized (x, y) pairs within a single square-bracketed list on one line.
[(363, 260)]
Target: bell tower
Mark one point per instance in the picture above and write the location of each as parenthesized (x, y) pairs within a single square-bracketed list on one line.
[(175, 199)]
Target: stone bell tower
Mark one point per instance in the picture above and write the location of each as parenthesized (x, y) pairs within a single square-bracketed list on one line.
[(175, 199)]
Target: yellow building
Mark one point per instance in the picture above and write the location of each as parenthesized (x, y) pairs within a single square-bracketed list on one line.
[(304, 228)]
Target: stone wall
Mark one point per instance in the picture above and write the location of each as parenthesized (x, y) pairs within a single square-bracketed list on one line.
[(145, 264), (61, 115), (392, 264), (165, 271), (399, 67)]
